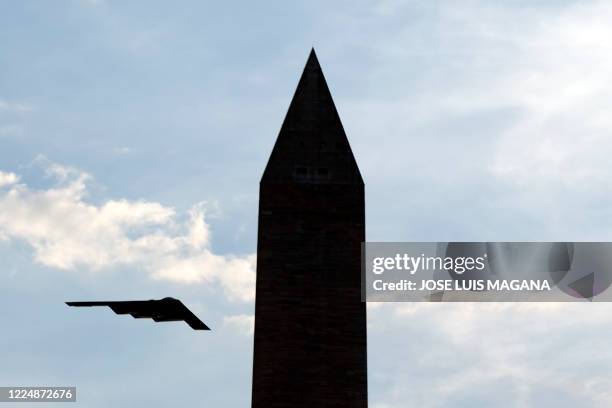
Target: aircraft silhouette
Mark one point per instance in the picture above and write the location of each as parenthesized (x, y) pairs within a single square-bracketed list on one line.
[(163, 310)]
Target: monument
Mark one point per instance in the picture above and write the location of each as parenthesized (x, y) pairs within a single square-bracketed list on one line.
[(310, 322)]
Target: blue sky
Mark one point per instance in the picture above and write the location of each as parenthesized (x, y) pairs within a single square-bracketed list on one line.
[(134, 135)]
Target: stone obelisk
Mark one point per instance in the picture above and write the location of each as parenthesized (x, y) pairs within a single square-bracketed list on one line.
[(310, 322)]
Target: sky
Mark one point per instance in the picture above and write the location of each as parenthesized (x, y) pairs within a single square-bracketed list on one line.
[(133, 136)]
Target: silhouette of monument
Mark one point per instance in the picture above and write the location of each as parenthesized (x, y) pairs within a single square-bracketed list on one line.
[(310, 322)]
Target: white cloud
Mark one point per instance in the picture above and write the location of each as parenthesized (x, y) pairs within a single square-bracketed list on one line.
[(7, 179), (558, 73), (243, 323), (498, 112), (483, 108), (550, 65), (67, 232), (499, 354)]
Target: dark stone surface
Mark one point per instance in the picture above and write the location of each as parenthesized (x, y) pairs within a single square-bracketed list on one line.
[(310, 323)]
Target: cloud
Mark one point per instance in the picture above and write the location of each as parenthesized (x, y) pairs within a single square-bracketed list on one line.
[(498, 354), (243, 323), (68, 232), (495, 114), (6, 179), (556, 72), (475, 109)]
